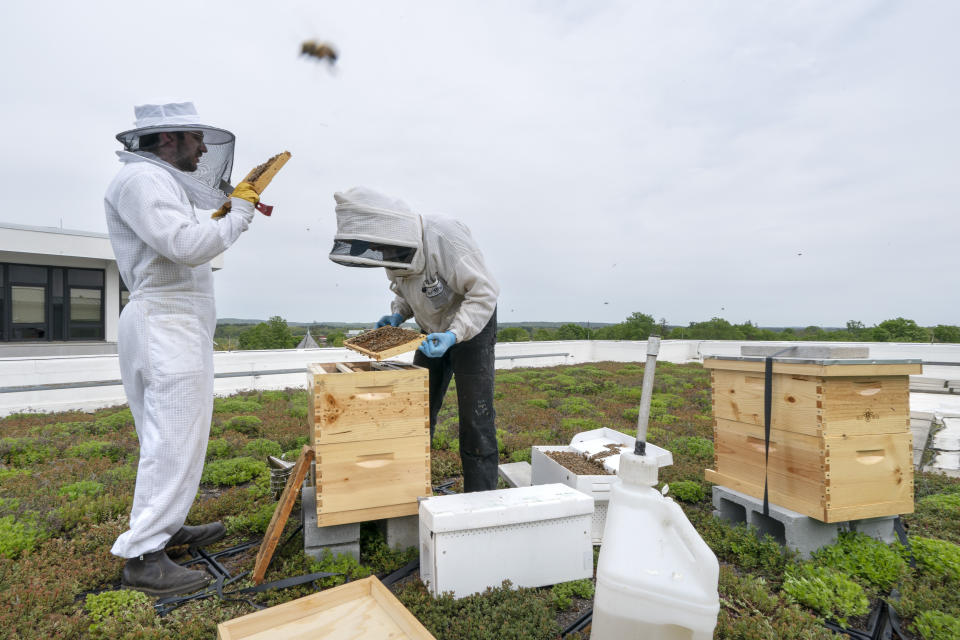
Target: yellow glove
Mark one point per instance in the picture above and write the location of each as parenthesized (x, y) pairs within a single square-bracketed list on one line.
[(245, 191)]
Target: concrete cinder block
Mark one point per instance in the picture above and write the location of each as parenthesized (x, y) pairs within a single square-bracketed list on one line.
[(791, 529), (340, 538), (516, 474), (402, 532), (877, 528)]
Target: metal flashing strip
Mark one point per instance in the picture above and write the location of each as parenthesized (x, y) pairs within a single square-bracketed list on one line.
[(116, 383), (532, 355), (821, 361)]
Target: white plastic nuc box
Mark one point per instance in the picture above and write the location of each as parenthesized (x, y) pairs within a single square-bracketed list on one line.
[(533, 536), (545, 470)]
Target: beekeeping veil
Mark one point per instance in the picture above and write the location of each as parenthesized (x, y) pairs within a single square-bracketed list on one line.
[(375, 230), (209, 185)]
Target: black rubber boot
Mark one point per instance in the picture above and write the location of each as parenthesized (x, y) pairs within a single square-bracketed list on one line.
[(197, 536), (157, 575)]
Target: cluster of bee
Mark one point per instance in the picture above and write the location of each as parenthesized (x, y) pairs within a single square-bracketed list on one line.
[(319, 50)]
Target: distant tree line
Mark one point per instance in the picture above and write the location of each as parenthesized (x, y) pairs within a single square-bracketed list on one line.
[(277, 334), (640, 326), (273, 334)]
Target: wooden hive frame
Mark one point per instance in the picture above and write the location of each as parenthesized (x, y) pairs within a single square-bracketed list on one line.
[(387, 353)]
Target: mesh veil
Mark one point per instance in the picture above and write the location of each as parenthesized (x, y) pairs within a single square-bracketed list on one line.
[(213, 168)]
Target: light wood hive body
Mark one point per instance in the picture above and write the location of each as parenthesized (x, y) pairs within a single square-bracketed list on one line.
[(840, 441), (370, 430)]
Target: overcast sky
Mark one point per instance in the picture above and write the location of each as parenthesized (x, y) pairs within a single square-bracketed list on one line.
[(786, 163)]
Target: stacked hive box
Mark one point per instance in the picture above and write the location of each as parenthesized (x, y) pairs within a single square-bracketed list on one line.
[(370, 428), (840, 443)]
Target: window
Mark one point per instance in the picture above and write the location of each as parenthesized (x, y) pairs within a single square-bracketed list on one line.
[(85, 305), (28, 308), (28, 274), (124, 295), (51, 303), (28, 304)]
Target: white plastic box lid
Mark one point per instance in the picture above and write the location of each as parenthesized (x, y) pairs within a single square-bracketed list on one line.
[(503, 507), (593, 442)]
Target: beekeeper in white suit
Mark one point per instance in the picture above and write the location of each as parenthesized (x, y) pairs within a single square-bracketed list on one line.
[(173, 165), (440, 279)]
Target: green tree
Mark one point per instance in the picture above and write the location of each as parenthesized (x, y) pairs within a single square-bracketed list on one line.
[(900, 330), (639, 326), (571, 331), (513, 334), (713, 329), (946, 333), (856, 329), (274, 334), (544, 334), (335, 338)]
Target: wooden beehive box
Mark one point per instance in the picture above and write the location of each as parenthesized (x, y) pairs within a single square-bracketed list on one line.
[(370, 429), (840, 442), (359, 609)]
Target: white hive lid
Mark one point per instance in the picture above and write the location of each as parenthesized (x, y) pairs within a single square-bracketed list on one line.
[(503, 507)]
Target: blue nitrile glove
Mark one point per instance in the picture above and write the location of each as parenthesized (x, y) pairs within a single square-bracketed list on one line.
[(393, 320), (437, 344)]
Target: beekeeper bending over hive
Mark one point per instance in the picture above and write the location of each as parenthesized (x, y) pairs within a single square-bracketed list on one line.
[(173, 164), (440, 279)]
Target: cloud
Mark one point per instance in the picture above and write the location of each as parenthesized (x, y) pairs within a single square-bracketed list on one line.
[(699, 147)]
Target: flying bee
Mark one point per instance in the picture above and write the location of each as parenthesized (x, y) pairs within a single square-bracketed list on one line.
[(319, 50)]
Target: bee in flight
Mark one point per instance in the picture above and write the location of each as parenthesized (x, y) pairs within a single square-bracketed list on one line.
[(319, 50)]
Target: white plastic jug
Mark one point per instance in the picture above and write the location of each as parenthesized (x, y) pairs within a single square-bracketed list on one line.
[(656, 577)]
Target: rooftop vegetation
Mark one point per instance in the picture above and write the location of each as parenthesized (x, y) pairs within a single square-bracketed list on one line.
[(66, 486)]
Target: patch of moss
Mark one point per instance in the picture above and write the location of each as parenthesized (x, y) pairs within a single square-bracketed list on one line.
[(862, 557), (233, 471), (502, 613), (740, 544), (520, 455), (235, 405), (219, 449), (116, 421), (76, 490), (17, 537), (261, 448), (935, 625), (247, 425), (256, 522), (936, 557), (694, 446), (830, 593), (343, 564), (92, 449), (562, 594), (24, 452), (115, 614), (687, 491)]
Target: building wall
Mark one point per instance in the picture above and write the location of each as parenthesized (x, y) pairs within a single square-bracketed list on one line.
[(55, 247)]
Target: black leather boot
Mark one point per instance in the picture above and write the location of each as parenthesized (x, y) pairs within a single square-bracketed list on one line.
[(197, 536), (157, 575)]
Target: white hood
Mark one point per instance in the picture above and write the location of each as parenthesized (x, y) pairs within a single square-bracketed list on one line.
[(368, 216)]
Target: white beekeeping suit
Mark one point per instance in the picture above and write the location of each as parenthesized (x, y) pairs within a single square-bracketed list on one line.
[(434, 266), (163, 250), (439, 277)]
